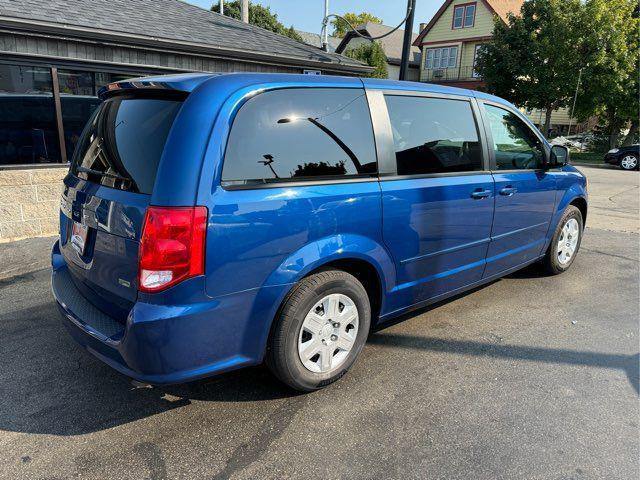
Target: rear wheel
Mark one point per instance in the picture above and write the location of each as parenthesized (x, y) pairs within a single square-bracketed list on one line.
[(629, 162), (565, 242), (320, 331)]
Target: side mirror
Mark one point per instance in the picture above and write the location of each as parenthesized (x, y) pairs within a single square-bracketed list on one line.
[(559, 156)]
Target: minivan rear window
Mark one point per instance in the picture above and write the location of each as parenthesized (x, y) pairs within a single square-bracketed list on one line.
[(123, 141), (301, 134)]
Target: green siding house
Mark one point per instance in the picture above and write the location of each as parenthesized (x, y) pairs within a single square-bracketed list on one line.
[(450, 41)]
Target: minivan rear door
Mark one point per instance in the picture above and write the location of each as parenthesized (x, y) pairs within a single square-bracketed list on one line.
[(106, 194)]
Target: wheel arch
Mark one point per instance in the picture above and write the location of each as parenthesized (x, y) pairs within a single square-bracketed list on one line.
[(581, 204), (362, 257)]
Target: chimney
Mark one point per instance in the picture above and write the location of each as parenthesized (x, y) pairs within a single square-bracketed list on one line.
[(244, 11), (422, 27)]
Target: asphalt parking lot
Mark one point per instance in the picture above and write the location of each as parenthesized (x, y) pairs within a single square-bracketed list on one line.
[(530, 377)]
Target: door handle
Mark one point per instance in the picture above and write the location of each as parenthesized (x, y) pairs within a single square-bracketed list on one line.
[(478, 194), (508, 191)]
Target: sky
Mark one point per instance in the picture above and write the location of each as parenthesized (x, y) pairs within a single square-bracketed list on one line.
[(307, 14)]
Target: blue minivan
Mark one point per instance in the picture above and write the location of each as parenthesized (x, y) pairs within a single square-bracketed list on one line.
[(210, 222)]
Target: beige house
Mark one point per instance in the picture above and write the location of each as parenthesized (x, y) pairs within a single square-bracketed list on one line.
[(450, 42)]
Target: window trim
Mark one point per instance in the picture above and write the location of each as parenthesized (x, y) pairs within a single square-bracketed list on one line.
[(489, 136), (441, 47), (293, 182), (464, 7), (387, 166)]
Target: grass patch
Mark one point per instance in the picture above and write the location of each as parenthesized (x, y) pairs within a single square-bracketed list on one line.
[(587, 157)]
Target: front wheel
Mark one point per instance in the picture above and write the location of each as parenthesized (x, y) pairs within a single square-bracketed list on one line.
[(565, 242), (629, 162), (321, 329)]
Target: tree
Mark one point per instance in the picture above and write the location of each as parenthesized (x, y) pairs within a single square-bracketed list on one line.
[(533, 59), (259, 16), (340, 28), (610, 89), (373, 55)]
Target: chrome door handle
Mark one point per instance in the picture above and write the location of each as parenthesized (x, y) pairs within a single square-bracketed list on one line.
[(508, 191), (478, 194)]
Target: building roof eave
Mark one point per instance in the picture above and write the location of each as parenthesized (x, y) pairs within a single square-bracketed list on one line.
[(32, 26)]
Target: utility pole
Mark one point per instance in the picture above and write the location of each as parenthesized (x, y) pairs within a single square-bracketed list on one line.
[(244, 11), (221, 7), (406, 46), (575, 97), (325, 27)]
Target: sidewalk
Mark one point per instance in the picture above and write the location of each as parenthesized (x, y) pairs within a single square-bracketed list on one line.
[(24, 256)]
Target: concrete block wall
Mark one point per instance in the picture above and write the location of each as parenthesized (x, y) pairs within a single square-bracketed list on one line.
[(30, 202)]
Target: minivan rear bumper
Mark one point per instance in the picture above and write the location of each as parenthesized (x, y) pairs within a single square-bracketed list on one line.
[(163, 344)]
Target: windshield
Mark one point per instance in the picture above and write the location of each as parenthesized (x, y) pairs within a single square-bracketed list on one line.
[(123, 141)]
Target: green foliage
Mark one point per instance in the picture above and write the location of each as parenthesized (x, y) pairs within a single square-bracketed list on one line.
[(340, 28), (610, 76), (259, 16), (373, 55), (533, 60)]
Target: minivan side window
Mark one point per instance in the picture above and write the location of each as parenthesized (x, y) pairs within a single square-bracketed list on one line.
[(301, 134), (433, 135), (514, 143)]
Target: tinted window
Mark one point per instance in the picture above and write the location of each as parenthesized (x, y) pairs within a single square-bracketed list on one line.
[(514, 143), (28, 131), (123, 142), (433, 135), (300, 134)]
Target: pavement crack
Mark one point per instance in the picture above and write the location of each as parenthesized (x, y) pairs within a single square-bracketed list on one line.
[(611, 198), (609, 254), (271, 429)]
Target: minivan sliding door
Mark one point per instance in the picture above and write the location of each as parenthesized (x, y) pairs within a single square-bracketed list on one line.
[(437, 196)]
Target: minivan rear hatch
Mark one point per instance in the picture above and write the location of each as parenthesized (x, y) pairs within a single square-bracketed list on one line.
[(107, 191)]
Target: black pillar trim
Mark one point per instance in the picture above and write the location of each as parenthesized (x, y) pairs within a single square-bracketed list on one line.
[(58, 110)]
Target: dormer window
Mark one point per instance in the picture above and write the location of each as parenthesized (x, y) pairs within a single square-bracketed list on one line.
[(464, 16)]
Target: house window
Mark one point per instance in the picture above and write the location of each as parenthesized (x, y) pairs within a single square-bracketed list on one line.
[(464, 15), (446, 57), (476, 49)]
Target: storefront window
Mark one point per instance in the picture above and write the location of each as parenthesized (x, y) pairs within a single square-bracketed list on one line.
[(78, 99), (28, 131)]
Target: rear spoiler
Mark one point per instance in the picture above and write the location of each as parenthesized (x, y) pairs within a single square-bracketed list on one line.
[(144, 88)]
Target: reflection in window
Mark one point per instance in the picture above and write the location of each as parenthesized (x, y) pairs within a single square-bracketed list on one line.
[(123, 143), (301, 133), (433, 135), (78, 98), (514, 143), (28, 131)]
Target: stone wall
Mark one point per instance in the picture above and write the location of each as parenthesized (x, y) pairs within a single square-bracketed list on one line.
[(30, 202)]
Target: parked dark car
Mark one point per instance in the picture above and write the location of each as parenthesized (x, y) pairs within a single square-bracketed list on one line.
[(625, 157), (211, 222)]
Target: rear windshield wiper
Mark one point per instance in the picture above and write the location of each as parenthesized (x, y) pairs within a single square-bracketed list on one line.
[(102, 174)]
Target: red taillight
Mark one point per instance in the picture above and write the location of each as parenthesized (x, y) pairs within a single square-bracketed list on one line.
[(172, 246)]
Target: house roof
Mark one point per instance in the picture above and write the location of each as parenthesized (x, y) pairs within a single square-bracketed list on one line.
[(501, 8), (315, 40), (392, 44), (170, 23)]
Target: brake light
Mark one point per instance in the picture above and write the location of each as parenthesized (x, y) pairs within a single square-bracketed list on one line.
[(172, 246)]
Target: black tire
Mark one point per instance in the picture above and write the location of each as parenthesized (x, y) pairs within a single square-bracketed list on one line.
[(629, 167), (551, 262), (282, 351)]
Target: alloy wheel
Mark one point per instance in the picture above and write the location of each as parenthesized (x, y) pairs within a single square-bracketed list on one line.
[(629, 162)]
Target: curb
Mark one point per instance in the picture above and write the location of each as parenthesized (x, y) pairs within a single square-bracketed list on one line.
[(593, 165)]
